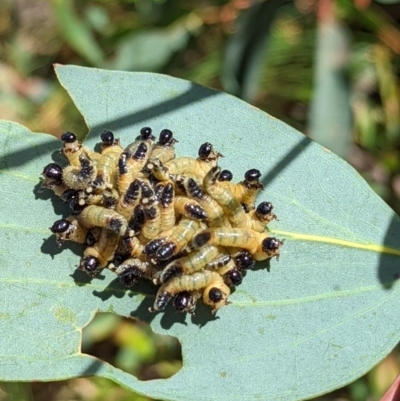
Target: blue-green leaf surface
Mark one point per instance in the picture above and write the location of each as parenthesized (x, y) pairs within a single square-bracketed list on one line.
[(322, 316)]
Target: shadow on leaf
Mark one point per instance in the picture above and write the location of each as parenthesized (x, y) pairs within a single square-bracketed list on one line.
[(285, 162), (80, 278), (191, 96), (389, 267), (113, 289)]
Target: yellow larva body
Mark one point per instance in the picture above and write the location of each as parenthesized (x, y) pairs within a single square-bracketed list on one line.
[(78, 233), (152, 222), (132, 269), (167, 209), (164, 150), (244, 238), (219, 262), (133, 147), (177, 238), (80, 177), (98, 216), (130, 166), (69, 229), (103, 251), (89, 198), (134, 246), (107, 166), (57, 189), (207, 159), (187, 165), (73, 151), (251, 221), (131, 198), (225, 198), (189, 264), (245, 191), (215, 213), (164, 153), (207, 280), (189, 208)]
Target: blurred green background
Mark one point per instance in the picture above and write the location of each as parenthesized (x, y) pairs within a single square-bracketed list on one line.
[(329, 68)]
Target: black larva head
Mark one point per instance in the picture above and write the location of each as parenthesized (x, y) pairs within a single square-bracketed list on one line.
[(69, 194), (68, 137), (234, 277), (53, 171), (107, 137), (145, 132), (205, 150), (215, 295), (60, 226), (182, 301), (244, 260), (128, 278), (166, 137), (264, 208), (90, 265), (270, 244), (252, 174), (225, 175)]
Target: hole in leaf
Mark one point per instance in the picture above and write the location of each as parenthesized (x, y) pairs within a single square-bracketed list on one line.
[(132, 346), (82, 389)]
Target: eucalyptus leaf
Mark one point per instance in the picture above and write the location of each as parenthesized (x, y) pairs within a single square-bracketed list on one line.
[(314, 321)]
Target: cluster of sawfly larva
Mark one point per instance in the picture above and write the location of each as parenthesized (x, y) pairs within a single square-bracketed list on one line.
[(178, 222)]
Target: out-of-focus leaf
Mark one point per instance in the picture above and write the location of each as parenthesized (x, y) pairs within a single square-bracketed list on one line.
[(389, 92), (388, 1), (330, 122), (393, 393), (358, 390), (150, 50), (246, 48), (136, 339), (364, 83), (383, 375), (76, 32), (206, 70), (99, 329), (321, 317), (97, 16), (18, 391), (376, 20), (366, 123)]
